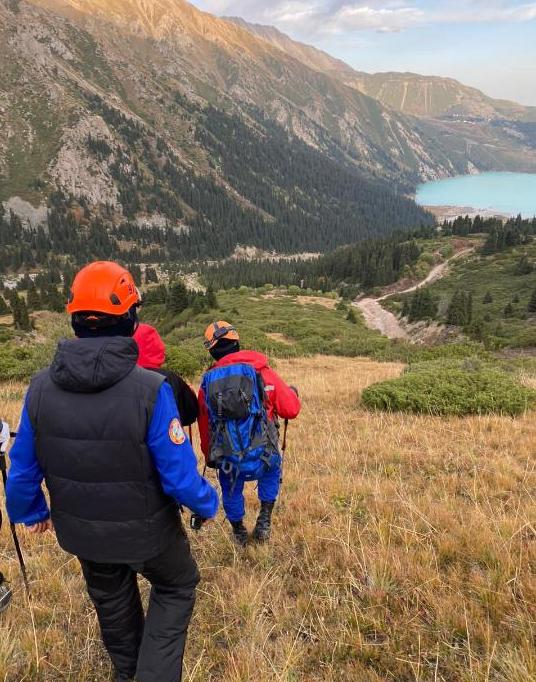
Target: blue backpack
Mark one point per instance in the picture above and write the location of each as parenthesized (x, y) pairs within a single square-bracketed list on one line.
[(243, 441)]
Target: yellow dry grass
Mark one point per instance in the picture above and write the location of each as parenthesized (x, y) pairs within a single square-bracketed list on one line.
[(280, 338), (404, 549), (325, 302)]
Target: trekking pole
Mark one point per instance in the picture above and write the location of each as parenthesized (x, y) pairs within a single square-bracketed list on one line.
[(20, 556), (283, 450), (284, 444)]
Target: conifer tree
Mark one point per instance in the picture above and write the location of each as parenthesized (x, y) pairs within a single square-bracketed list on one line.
[(178, 298), (488, 298), (151, 276), (456, 309), (157, 294), (21, 318), (199, 303), (33, 300), (55, 300), (135, 271), (468, 300), (423, 306), (211, 300)]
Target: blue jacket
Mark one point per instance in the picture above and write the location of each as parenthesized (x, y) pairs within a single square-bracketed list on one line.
[(176, 465)]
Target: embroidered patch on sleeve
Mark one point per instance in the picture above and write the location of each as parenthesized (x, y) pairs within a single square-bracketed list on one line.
[(176, 432)]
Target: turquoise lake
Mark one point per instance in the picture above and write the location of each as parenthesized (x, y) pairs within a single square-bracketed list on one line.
[(510, 193)]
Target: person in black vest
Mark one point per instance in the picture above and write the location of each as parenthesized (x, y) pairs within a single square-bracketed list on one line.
[(106, 436)]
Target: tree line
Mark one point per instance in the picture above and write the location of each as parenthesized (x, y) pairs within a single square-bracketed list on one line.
[(364, 265), (258, 186), (500, 235)]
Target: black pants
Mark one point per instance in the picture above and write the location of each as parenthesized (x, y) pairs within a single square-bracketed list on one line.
[(150, 648)]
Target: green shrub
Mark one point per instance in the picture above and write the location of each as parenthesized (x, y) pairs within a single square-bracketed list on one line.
[(186, 360), (447, 251), (452, 388), (351, 316), (427, 258), (19, 362)]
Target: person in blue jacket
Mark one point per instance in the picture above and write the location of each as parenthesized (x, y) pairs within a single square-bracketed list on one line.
[(106, 437)]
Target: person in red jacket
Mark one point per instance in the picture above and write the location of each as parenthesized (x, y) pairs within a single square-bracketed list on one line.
[(281, 401), (152, 355)]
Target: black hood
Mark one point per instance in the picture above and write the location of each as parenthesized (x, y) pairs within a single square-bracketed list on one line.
[(92, 365)]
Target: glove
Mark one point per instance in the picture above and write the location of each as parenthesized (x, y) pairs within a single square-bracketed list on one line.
[(293, 388), (4, 436)]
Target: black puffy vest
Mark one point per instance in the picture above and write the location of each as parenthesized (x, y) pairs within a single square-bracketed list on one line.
[(91, 410)]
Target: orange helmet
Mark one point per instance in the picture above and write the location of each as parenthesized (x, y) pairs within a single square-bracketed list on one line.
[(103, 287), (219, 330)]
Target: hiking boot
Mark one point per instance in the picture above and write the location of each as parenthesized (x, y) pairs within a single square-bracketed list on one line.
[(263, 527), (240, 533)]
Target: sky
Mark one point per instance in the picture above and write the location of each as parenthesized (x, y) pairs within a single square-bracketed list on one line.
[(489, 44)]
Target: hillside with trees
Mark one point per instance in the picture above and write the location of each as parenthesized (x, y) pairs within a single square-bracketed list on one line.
[(184, 122)]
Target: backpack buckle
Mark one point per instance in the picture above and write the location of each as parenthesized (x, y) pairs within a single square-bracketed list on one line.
[(227, 467)]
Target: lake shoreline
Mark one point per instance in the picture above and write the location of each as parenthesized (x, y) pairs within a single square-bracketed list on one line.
[(442, 213), (500, 194)]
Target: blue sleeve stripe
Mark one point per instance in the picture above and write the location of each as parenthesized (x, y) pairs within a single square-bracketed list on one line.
[(175, 460), (25, 500)]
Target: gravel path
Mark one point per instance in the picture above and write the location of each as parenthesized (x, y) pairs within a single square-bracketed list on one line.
[(376, 317), (380, 319)]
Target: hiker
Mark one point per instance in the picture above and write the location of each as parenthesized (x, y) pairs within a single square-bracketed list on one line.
[(152, 355), (240, 401), (106, 436), (5, 592)]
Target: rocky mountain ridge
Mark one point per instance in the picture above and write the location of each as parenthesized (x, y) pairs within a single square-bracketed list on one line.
[(410, 93), (155, 112)]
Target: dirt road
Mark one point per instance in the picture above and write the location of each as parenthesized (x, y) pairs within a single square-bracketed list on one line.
[(380, 319), (376, 317), (437, 272)]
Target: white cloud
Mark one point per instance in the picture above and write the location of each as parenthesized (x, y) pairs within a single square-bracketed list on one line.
[(343, 16), (384, 19)]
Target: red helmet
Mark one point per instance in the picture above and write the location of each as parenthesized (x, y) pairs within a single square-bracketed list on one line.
[(103, 287)]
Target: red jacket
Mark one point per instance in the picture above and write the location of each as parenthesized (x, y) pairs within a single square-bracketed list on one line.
[(152, 355), (282, 401), (151, 347)]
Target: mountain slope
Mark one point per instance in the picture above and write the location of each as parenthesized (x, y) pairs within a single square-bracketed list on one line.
[(157, 113), (435, 97), (168, 44), (137, 127), (409, 93)]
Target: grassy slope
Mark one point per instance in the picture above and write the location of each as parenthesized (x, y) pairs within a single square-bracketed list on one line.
[(299, 325), (402, 551), (496, 274)]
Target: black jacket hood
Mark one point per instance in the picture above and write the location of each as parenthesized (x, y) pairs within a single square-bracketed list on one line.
[(92, 365)]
